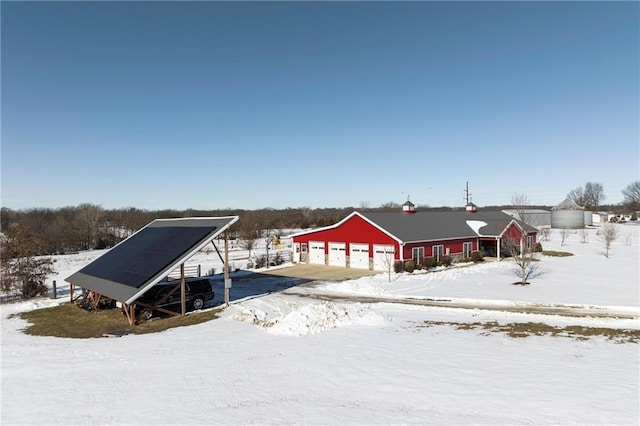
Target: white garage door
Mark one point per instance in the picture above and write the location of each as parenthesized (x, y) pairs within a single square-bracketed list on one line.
[(359, 256), (383, 257), (316, 252), (338, 254)]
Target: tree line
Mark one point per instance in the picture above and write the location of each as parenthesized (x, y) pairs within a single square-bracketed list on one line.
[(89, 226)]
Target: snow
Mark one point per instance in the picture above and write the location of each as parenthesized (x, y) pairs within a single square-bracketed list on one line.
[(475, 225), (278, 358)]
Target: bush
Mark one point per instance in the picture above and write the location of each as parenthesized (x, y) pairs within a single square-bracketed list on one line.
[(447, 260), (428, 262), (261, 262), (537, 248), (398, 266), (410, 266), (476, 256), (466, 260)]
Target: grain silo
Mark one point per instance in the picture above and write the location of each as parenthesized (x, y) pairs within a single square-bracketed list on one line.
[(567, 215)]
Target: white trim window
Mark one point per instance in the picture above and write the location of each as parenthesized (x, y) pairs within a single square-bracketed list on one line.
[(467, 248), (529, 241), (438, 252), (418, 255)]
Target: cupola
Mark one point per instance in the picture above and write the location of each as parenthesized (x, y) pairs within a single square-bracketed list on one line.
[(408, 207)]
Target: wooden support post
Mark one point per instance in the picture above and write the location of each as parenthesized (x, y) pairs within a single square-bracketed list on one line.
[(71, 289), (183, 296), (226, 269)]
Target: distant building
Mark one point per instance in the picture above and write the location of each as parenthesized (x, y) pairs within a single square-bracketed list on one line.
[(537, 218)]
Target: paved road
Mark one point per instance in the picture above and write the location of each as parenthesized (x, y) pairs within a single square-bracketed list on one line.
[(309, 290), (302, 280)]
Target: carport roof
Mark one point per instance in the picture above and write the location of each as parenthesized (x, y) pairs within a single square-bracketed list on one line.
[(130, 268)]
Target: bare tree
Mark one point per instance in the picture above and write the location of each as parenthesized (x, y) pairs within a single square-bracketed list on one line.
[(564, 235), (631, 195), (525, 262), (544, 233), (21, 269), (577, 196), (388, 260), (594, 194), (608, 235), (249, 231), (521, 205), (89, 215), (590, 197), (584, 236)]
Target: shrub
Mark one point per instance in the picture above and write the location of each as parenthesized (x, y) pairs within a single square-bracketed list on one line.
[(438, 263), (466, 260), (537, 248), (261, 262), (409, 266), (476, 256), (398, 266), (428, 262), (447, 260)]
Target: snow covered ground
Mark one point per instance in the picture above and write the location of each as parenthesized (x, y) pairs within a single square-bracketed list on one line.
[(283, 359)]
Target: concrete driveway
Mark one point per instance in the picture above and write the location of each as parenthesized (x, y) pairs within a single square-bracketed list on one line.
[(320, 272)]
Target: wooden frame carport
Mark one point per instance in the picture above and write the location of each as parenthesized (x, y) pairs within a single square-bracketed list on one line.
[(128, 305)]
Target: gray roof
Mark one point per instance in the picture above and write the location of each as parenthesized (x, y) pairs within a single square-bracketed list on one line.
[(430, 226), (129, 269)]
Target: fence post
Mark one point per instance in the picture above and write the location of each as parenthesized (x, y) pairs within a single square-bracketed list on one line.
[(55, 291)]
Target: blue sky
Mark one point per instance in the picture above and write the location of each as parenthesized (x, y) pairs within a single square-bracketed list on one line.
[(211, 105)]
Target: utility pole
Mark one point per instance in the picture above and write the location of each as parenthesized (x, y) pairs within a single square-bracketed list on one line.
[(467, 195)]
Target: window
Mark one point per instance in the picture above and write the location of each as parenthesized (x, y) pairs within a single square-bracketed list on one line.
[(466, 249), (418, 255), (529, 241), (304, 247), (438, 252)]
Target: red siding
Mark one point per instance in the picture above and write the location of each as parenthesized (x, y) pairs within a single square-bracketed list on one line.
[(454, 246), (354, 230)]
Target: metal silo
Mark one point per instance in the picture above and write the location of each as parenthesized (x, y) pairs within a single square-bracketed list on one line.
[(567, 215)]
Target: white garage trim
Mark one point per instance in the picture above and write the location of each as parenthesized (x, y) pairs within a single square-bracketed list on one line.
[(316, 252), (383, 257), (359, 255)]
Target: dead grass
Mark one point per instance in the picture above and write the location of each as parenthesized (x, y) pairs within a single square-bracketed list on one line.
[(552, 253), (68, 320), (527, 329)]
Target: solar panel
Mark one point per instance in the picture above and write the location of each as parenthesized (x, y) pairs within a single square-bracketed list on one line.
[(147, 256)]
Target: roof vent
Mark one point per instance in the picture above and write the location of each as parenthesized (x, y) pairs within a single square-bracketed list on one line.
[(408, 207)]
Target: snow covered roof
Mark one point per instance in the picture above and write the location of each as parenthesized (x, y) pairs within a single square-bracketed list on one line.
[(129, 269)]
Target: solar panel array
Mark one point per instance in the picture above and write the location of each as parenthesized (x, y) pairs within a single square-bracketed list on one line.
[(139, 259), (129, 269)]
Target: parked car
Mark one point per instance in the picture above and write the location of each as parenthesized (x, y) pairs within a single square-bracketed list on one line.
[(198, 291)]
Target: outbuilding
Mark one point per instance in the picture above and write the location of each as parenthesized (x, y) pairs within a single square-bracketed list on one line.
[(371, 240)]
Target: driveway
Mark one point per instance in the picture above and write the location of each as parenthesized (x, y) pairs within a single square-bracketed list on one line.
[(320, 272)]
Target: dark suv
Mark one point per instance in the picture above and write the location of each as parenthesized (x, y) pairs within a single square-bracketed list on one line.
[(198, 291)]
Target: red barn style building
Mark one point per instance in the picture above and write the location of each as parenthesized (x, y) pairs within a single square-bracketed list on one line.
[(369, 240)]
